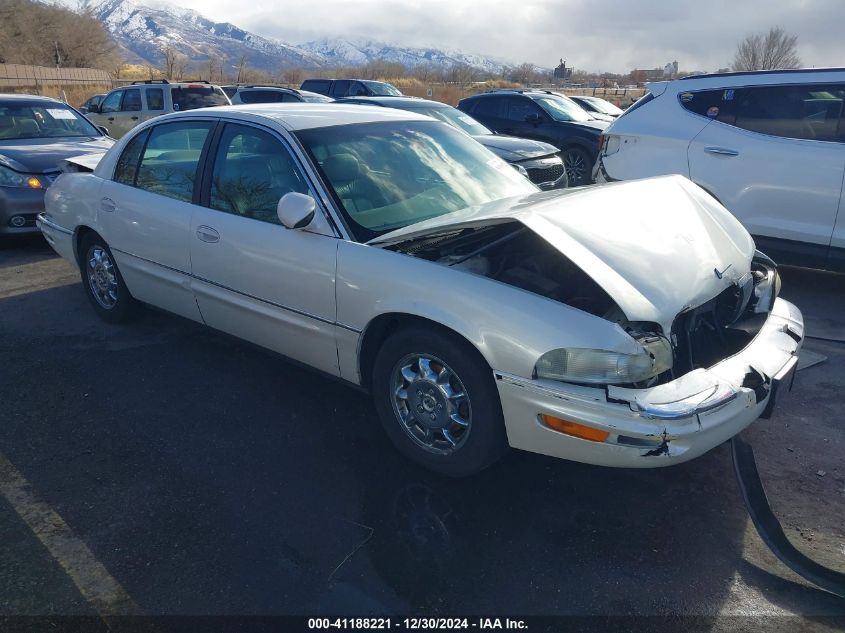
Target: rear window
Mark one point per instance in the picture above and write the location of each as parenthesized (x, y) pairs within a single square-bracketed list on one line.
[(638, 104), (262, 96), (193, 97)]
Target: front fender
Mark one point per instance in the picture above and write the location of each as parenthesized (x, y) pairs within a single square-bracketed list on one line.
[(510, 327)]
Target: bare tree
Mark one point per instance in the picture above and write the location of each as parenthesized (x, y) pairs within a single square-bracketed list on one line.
[(523, 74), (292, 76), (171, 55), (767, 51)]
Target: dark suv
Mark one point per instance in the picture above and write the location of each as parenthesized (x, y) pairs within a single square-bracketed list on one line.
[(338, 88), (544, 116)]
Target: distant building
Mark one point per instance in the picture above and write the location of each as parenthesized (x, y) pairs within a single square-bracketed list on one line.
[(562, 72)]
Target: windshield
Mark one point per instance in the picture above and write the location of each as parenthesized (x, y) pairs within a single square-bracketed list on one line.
[(22, 119), (453, 117), (388, 175), (605, 107), (563, 109), (381, 89), (193, 97)]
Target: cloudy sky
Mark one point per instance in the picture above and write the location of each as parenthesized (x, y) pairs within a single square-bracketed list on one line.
[(612, 35)]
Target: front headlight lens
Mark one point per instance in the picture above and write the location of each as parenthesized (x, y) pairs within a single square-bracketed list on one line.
[(11, 178), (604, 367)]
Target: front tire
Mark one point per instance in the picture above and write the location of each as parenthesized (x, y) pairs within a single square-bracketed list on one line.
[(437, 401), (578, 166), (103, 282)]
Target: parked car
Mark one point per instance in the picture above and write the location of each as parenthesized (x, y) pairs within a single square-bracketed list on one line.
[(92, 102), (769, 145), (36, 134), (597, 105), (543, 116), (628, 325), (539, 160), (273, 94), (337, 88), (125, 107)]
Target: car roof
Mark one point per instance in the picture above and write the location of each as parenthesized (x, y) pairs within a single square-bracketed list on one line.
[(744, 73), (260, 87), (305, 116), (22, 97), (395, 102)]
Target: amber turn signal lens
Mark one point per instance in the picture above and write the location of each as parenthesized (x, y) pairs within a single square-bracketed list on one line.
[(33, 183), (574, 429)]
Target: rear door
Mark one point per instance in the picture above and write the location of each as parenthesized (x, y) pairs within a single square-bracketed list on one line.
[(129, 114), (490, 111), (253, 277), (154, 103), (108, 109), (340, 87), (773, 155), (145, 212), (516, 111)]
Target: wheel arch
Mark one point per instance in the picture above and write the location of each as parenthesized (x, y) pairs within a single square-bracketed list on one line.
[(383, 325), (79, 234)]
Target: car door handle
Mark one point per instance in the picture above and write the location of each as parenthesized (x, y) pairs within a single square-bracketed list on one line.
[(208, 234), (721, 151), (134, 118), (110, 119), (108, 205)]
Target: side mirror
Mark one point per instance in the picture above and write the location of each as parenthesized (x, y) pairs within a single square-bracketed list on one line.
[(92, 109), (103, 129), (296, 210), (533, 118)]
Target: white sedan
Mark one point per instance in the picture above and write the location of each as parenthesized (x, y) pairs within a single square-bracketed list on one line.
[(630, 325)]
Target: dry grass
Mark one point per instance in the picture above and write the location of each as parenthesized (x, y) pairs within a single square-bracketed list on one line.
[(75, 95)]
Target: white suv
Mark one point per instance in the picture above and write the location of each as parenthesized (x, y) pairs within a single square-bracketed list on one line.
[(769, 145)]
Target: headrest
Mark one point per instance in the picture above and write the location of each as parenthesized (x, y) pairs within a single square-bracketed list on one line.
[(341, 168)]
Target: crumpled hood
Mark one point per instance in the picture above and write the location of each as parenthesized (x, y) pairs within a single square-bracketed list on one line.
[(657, 246), (512, 148), (40, 155)]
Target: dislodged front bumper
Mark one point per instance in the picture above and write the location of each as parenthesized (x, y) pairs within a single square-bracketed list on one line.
[(663, 425)]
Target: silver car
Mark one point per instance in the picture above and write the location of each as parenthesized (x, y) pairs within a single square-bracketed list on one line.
[(630, 325)]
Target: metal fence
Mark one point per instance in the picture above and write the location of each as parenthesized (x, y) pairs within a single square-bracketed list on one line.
[(35, 78)]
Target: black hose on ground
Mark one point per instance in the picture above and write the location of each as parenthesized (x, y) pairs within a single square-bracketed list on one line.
[(769, 528)]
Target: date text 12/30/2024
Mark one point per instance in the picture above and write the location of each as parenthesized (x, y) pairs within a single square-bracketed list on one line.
[(414, 624)]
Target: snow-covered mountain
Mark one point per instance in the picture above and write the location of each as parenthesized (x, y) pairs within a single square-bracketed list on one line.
[(144, 30)]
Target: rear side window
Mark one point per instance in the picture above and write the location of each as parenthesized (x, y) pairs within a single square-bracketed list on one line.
[(808, 111), (155, 99), (171, 157), (127, 164), (488, 107), (317, 85), (193, 97), (340, 87)]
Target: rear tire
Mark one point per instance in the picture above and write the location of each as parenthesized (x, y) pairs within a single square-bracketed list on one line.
[(437, 401), (103, 282)]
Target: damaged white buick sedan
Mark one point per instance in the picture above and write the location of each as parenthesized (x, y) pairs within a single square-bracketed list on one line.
[(629, 325)]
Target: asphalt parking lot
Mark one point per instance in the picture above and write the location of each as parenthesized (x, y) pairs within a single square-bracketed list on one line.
[(208, 477)]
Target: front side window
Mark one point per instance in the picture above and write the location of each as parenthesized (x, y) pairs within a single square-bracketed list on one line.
[(252, 171), (388, 175), (127, 164), (381, 89), (171, 157), (131, 101), (490, 107), (112, 102), (155, 98), (39, 119), (518, 109)]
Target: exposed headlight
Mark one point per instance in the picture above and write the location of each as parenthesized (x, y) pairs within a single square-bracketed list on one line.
[(767, 284), (604, 367), (11, 178)]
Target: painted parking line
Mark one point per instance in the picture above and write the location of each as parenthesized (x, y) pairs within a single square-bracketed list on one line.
[(93, 580)]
